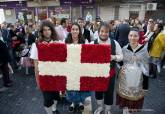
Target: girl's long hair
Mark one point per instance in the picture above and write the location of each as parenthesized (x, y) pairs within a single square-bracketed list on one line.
[(69, 39), (47, 23)]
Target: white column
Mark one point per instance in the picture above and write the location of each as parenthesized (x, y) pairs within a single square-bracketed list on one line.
[(142, 12), (124, 11)]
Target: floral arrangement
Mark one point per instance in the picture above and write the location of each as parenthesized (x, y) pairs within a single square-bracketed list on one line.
[(83, 67)]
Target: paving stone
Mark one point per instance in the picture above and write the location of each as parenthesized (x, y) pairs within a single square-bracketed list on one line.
[(25, 98)]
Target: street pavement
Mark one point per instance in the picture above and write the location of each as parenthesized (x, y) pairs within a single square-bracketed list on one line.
[(25, 98)]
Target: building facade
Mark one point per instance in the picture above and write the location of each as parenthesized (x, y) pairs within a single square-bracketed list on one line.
[(34, 10)]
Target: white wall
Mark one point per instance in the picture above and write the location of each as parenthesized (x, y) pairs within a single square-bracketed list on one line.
[(107, 12), (124, 12), (140, 8), (142, 12), (2, 18), (46, 3), (10, 16), (76, 13)]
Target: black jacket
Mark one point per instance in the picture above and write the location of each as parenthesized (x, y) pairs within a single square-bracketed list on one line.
[(4, 55), (86, 35), (121, 34)]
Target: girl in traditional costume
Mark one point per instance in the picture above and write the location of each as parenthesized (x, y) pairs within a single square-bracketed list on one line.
[(130, 92)]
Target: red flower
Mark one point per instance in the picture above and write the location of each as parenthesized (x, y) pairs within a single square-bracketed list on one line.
[(46, 52), (96, 84), (90, 55), (52, 83)]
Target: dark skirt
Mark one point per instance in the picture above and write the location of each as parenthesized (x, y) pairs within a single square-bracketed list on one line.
[(122, 102)]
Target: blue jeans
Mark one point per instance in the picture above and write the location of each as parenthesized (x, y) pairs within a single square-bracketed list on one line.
[(77, 96)]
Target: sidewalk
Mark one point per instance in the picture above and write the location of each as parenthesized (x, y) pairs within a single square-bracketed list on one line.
[(25, 98)]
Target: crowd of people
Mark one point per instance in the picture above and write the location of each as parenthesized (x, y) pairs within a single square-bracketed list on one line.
[(136, 46)]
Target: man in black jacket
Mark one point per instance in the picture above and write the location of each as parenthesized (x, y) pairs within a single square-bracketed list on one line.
[(87, 34), (122, 32), (5, 33), (4, 61)]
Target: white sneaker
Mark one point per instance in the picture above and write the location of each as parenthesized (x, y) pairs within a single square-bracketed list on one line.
[(87, 101), (53, 108), (98, 110), (49, 110), (3, 89), (126, 111), (107, 112), (0, 76), (163, 66), (158, 68)]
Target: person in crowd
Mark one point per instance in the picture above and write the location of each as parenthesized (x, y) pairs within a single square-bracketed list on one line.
[(132, 22), (156, 46), (5, 33), (28, 41), (133, 78), (20, 27), (96, 24), (112, 29), (76, 97), (17, 40), (53, 20), (62, 29), (4, 63), (95, 27), (35, 31), (105, 99), (89, 26), (88, 17), (15, 43), (163, 56), (144, 25), (69, 26), (122, 32), (58, 21), (117, 23), (87, 34), (141, 33), (163, 61), (150, 30), (137, 22), (47, 35)]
